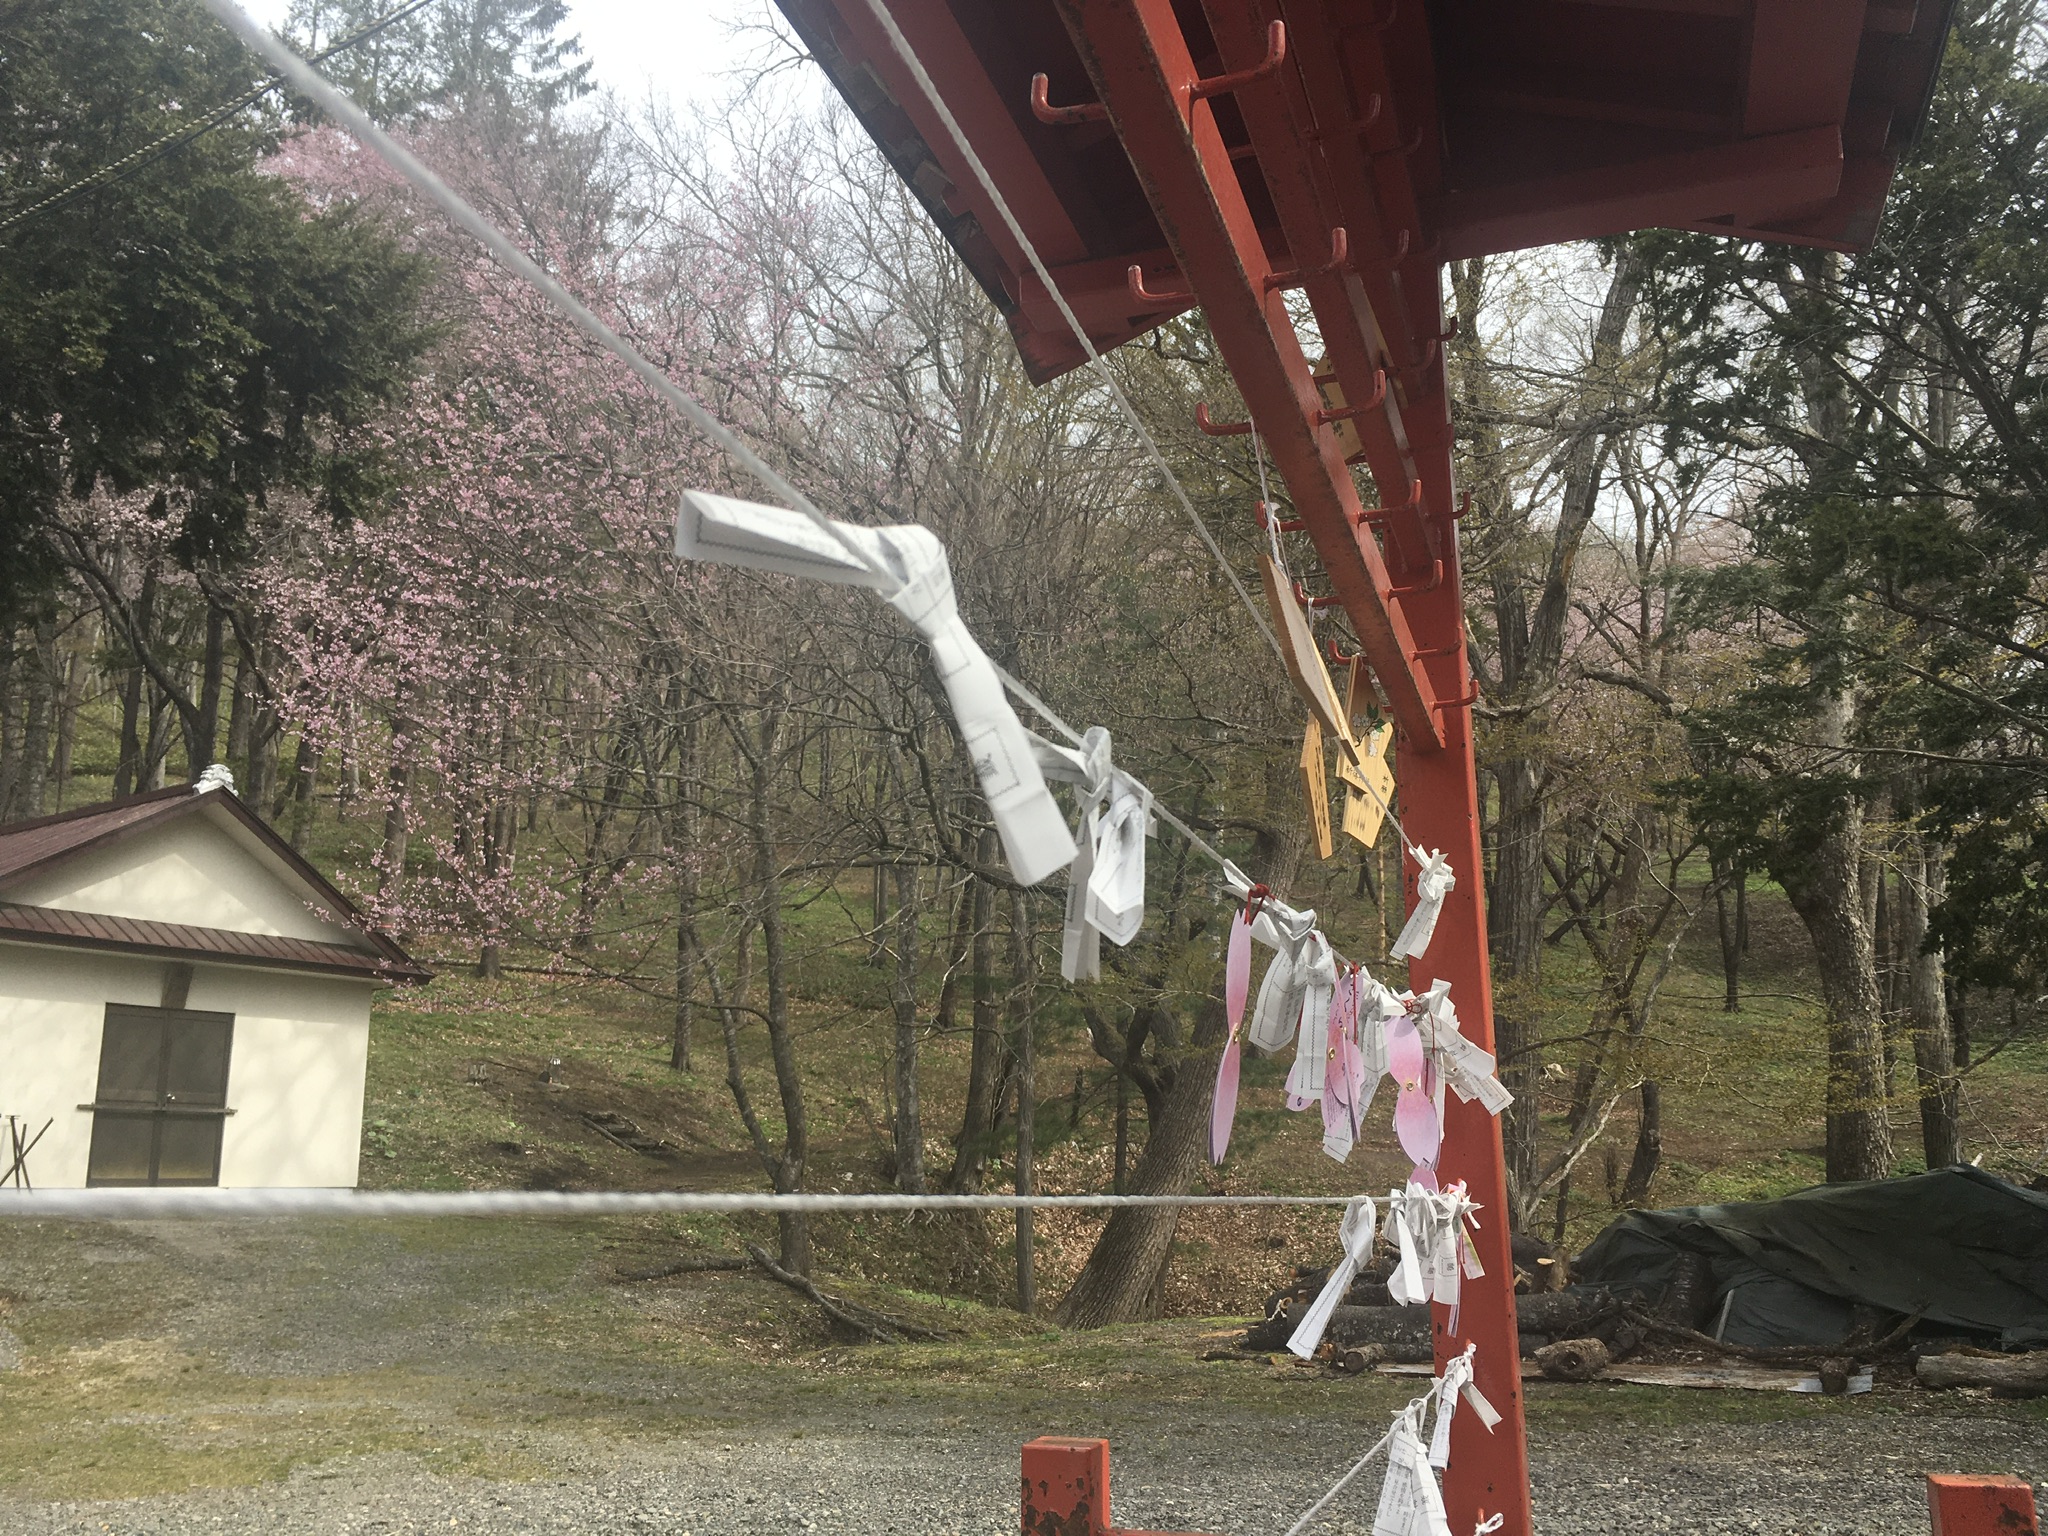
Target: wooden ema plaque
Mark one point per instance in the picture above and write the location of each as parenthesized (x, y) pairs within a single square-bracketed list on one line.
[(1364, 814), (1304, 662), (1315, 783)]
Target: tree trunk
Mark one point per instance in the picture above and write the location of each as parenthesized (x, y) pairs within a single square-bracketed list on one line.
[(1822, 877), (1934, 1048), (77, 664), (959, 941), (978, 1118), (157, 746), (240, 700), (1725, 912), (39, 698), (305, 782), (264, 734), (1514, 907), (397, 816), (795, 1231), (903, 1003), (599, 866), (202, 742), (128, 769), (10, 738), (1023, 1011), (1119, 1283), (1649, 1153), (688, 827)]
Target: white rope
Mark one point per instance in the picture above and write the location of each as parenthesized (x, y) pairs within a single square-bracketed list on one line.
[(315, 87), (901, 45), (131, 1204), (1359, 1465)]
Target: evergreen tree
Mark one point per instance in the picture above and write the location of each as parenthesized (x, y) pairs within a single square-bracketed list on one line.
[(504, 57), (1891, 408)]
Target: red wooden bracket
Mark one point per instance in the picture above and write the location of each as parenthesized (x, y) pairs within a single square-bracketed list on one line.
[(1435, 580), (1301, 596), (1046, 112), (1371, 403), (1981, 1506), (1376, 517), (1134, 279), (1406, 147), (1264, 513), (1213, 428), (1265, 69), (1301, 277), (1066, 1489)]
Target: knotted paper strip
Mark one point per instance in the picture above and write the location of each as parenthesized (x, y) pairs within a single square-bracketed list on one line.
[(1469, 1071), (1457, 1383), (1410, 1502), (1291, 935), (1431, 887), (1356, 1233), (1106, 885), (910, 571)]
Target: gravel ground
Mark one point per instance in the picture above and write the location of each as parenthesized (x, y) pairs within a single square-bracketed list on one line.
[(1812, 1477), (512, 1342)]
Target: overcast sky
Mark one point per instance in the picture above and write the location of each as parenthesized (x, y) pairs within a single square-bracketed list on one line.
[(680, 48)]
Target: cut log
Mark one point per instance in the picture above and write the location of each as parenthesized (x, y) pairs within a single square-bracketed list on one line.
[(1572, 1359), (1403, 1332), (1572, 1313), (2008, 1375)]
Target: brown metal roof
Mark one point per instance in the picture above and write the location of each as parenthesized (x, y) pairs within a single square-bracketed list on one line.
[(30, 847), (98, 930)]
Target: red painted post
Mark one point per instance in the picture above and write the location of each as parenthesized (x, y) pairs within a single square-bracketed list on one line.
[(1489, 1472), (1066, 1489), (1980, 1506), (1411, 630)]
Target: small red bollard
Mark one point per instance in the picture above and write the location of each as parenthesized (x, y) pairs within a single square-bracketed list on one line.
[(1981, 1506), (1066, 1489)]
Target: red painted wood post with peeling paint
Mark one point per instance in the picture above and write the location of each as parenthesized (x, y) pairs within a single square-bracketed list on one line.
[(1066, 1489), (1981, 1506)]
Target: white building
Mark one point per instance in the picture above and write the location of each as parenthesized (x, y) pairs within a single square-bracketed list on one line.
[(183, 999)]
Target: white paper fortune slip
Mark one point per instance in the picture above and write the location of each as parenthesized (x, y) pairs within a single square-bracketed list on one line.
[(1468, 1070), (1410, 1502), (909, 569), (1431, 887), (1356, 1233), (1106, 885), (1455, 1384)]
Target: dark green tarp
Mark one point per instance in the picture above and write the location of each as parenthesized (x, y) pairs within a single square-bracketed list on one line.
[(1961, 1248)]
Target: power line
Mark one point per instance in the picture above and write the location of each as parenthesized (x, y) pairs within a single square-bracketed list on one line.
[(169, 143)]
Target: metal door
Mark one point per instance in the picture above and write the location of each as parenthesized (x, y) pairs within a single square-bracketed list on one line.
[(162, 1096)]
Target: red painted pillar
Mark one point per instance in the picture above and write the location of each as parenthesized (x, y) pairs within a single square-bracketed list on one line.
[(1980, 1506), (1489, 1473)]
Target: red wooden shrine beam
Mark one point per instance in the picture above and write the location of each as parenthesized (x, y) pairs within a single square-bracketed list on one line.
[(1411, 624), (1145, 76)]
